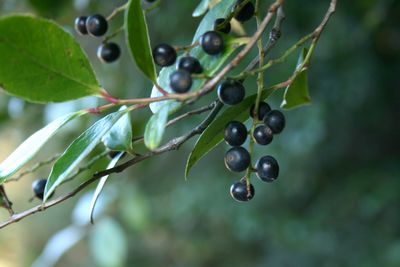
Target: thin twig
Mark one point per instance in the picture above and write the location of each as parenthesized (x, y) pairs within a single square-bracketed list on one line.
[(6, 203), (117, 11), (173, 144), (33, 168)]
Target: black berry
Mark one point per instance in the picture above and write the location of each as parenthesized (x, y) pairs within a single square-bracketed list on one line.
[(262, 135), (275, 120), (191, 64), (240, 193), (180, 81), (235, 133), (96, 25), (225, 29), (231, 92), (246, 13), (164, 55), (38, 187), (237, 159), (212, 43), (80, 25), (108, 52), (267, 169), (263, 109)]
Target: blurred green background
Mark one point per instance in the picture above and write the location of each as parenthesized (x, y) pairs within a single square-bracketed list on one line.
[(336, 202)]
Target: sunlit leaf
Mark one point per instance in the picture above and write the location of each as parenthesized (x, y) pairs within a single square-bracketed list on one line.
[(78, 150), (119, 138), (31, 146), (201, 8), (101, 185), (40, 62)]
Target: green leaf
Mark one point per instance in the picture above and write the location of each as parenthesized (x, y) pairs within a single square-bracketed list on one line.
[(155, 128), (220, 10), (55, 69), (101, 185), (201, 9), (78, 150), (119, 138), (138, 40), (214, 134), (297, 94), (31, 146)]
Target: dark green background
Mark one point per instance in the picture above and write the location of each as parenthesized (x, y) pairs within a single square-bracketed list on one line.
[(336, 202)]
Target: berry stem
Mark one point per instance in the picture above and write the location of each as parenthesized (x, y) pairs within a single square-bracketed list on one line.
[(117, 11), (109, 37), (186, 48), (153, 6)]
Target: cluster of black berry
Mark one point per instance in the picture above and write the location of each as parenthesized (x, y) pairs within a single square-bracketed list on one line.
[(97, 25), (238, 159), (212, 44)]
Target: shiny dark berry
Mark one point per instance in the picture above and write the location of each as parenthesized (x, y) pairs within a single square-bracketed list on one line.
[(240, 193), (235, 133), (262, 135), (231, 92), (275, 120), (96, 25), (38, 187), (237, 159), (191, 64), (225, 29), (212, 43), (164, 55), (267, 169), (108, 52), (263, 109), (246, 13), (180, 81), (80, 25)]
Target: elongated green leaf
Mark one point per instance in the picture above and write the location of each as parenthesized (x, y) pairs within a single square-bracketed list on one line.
[(214, 134), (155, 128), (297, 94), (119, 138), (101, 185), (78, 150), (138, 40), (31, 146), (42, 63), (201, 9)]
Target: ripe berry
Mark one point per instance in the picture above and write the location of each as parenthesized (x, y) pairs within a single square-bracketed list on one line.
[(262, 135), (239, 191), (96, 25), (108, 52), (164, 55), (275, 120), (237, 159), (180, 81), (226, 29), (212, 43), (263, 109), (246, 13), (231, 92), (191, 64), (235, 133), (80, 25), (38, 187), (267, 169)]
